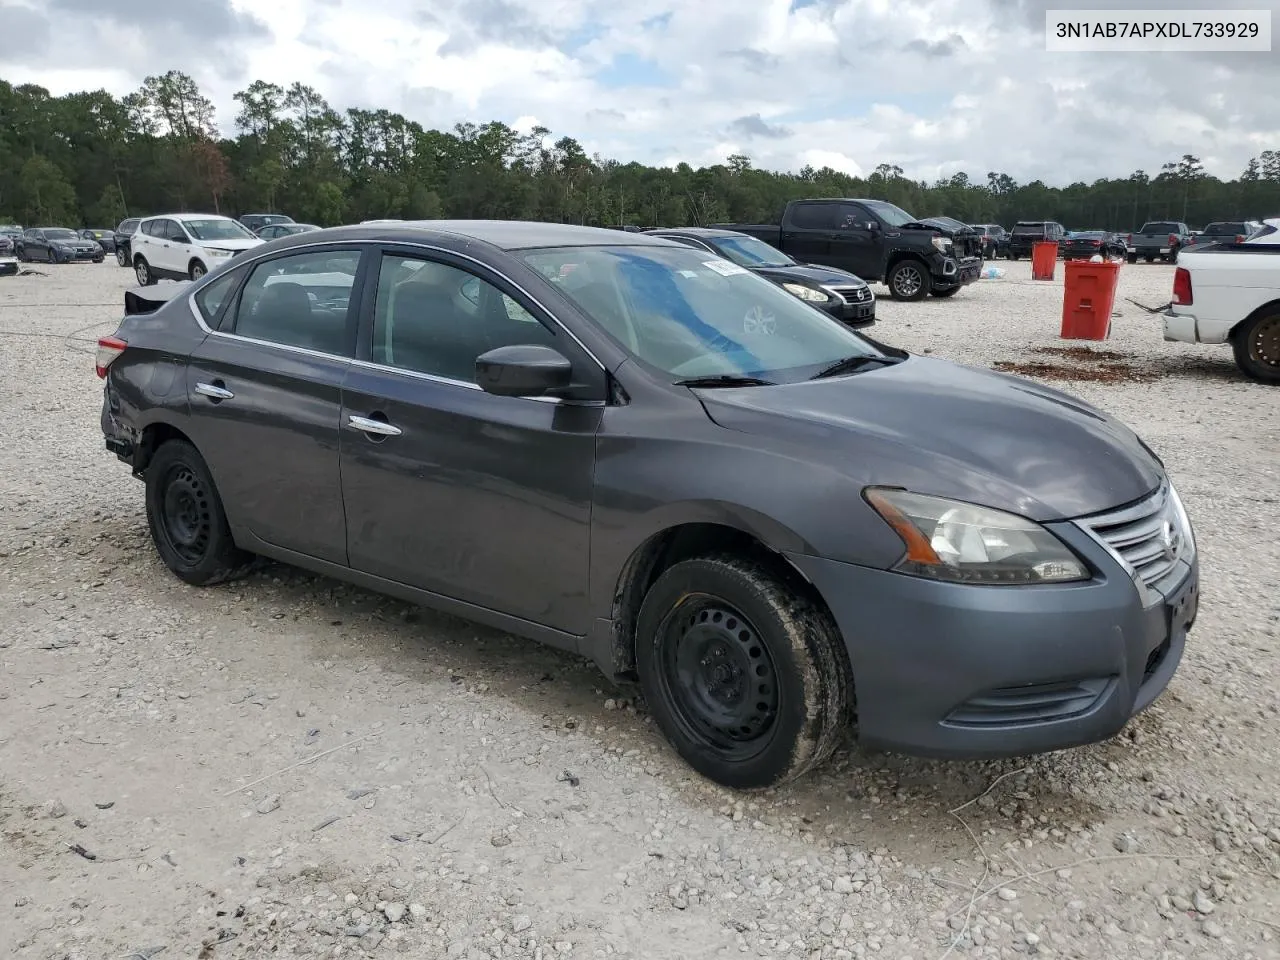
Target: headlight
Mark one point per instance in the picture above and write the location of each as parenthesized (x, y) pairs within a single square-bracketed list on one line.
[(942, 244), (964, 543), (215, 252), (1184, 521), (806, 293)]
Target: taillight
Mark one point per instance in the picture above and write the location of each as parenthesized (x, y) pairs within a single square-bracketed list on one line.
[(1240, 238), (1173, 239), (109, 348), (1095, 243), (1182, 287)]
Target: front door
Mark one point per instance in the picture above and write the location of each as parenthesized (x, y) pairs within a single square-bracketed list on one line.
[(480, 498), (857, 246), (266, 399)]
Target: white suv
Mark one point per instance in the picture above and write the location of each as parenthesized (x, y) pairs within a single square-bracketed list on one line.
[(186, 246)]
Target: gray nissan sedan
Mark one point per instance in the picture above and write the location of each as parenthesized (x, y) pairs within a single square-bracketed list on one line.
[(647, 455)]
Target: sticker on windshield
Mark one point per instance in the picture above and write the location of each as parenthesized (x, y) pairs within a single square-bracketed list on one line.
[(724, 267), (690, 274)]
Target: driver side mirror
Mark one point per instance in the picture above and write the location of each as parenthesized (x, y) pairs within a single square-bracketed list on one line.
[(177, 238), (523, 370), (873, 225)]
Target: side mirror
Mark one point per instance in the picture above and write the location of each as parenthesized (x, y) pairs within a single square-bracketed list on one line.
[(522, 370), (177, 238), (873, 225)]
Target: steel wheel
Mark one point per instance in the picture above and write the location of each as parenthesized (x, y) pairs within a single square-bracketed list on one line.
[(186, 516), (720, 678)]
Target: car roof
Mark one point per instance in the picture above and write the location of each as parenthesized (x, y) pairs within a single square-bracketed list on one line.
[(502, 234), (186, 216), (707, 233)]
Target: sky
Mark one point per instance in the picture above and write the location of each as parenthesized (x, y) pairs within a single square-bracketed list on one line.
[(933, 86)]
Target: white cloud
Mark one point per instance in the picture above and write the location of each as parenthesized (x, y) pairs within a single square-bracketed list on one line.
[(935, 86)]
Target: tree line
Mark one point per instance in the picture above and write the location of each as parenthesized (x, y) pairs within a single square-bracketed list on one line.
[(92, 159)]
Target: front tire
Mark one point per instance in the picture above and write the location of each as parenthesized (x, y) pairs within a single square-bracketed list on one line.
[(1256, 344), (909, 280), (197, 270), (142, 270), (747, 678), (187, 522)]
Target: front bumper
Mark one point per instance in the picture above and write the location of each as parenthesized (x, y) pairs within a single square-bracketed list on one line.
[(960, 671), (856, 315), (950, 272)]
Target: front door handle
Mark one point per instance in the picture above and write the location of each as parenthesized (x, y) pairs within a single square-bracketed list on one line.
[(369, 425), (214, 392)]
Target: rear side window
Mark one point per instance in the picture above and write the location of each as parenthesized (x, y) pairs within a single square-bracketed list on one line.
[(127, 226), (301, 301), (209, 299), (815, 216)]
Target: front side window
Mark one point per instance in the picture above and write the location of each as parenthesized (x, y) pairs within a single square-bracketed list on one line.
[(300, 301), (434, 318), (687, 315)]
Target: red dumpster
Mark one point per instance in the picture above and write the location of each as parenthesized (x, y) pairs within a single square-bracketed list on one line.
[(1088, 297), (1044, 257)]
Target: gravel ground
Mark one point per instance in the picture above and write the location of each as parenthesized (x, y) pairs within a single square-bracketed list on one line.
[(287, 765)]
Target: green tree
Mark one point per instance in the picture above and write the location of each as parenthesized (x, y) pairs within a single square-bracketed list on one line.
[(47, 198)]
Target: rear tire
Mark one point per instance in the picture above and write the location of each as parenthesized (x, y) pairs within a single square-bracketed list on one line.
[(1148, 259), (142, 270), (122, 258), (1133, 258), (745, 676), (909, 280), (1256, 344), (187, 522)]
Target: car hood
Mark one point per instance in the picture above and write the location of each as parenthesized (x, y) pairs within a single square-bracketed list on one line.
[(232, 244), (943, 429), (811, 273), (944, 225)]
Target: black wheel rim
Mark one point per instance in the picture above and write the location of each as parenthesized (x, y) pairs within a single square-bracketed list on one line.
[(719, 678), (1264, 342), (908, 282), (186, 516)]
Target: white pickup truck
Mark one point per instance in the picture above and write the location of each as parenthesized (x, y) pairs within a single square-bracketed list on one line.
[(1230, 293)]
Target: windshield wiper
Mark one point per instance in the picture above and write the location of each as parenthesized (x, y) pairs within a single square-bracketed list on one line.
[(850, 364), (724, 380)]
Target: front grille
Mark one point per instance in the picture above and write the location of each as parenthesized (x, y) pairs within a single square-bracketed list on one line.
[(1032, 703), (854, 294), (1147, 537)]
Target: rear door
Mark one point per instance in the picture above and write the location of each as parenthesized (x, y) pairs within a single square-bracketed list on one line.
[(807, 230), (265, 390), (475, 497)]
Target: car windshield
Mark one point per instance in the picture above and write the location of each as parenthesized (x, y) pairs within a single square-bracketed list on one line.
[(212, 229), (750, 252), (687, 315), (60, 233), (893, 215)]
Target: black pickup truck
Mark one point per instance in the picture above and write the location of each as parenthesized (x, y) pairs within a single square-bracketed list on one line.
[(877, 241)]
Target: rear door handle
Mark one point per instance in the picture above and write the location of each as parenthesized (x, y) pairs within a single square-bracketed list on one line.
[(214, 392), (369, 425)]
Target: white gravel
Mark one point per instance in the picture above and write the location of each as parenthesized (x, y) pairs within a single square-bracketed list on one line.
[(478, 796)]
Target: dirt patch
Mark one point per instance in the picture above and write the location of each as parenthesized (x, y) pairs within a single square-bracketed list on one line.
[(1087, 354), (1101, 373)]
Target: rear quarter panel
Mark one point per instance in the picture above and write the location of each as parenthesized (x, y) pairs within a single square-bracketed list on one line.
[(1227, 287)]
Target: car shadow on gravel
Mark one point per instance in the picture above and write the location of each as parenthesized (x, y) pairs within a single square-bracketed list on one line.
[(859, 796)]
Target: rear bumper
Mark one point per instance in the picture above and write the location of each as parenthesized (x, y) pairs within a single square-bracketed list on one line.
[(959, 671), (1189, 328)]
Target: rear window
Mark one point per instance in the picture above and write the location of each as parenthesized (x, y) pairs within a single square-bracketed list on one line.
[(1029, 229), (1225, 229), (1160, 226)]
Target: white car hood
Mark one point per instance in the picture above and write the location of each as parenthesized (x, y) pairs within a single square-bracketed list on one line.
[(245, 244)]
